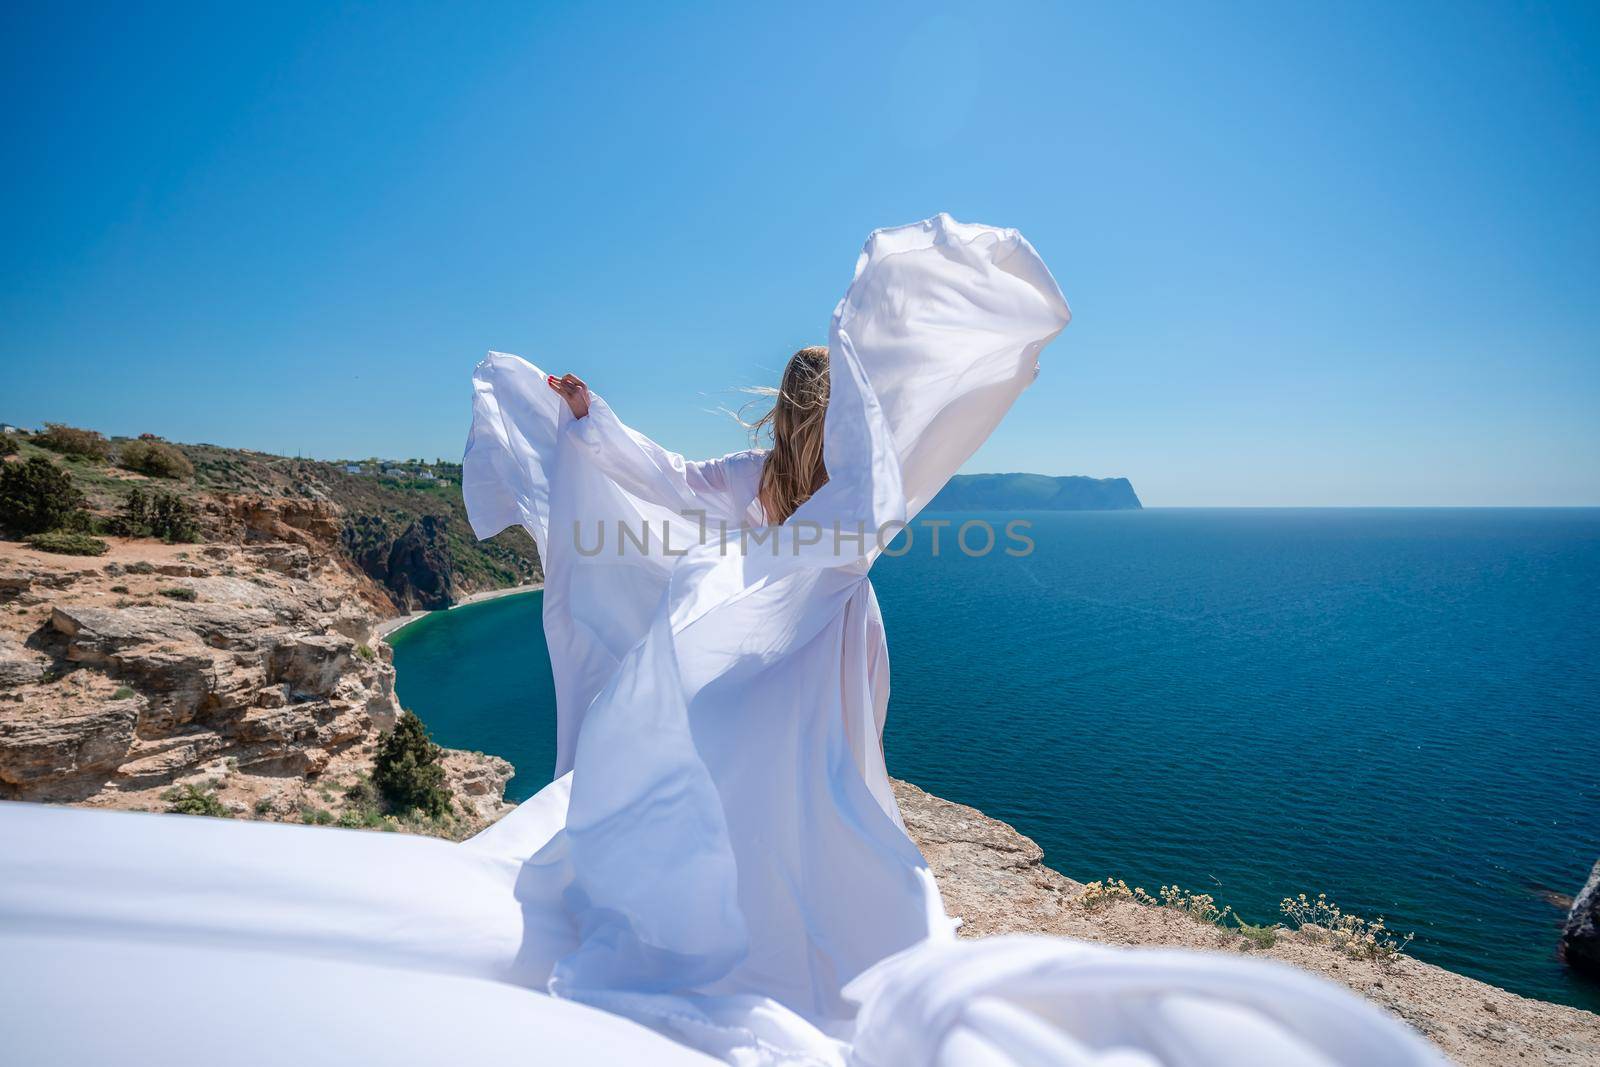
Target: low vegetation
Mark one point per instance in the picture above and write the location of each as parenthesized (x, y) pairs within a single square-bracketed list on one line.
[(1361, 939), (1318, 919), (193, 800), (71, 441), (1198, 906), (312, 815), (155, 458), (1263, 936), (64, 543)]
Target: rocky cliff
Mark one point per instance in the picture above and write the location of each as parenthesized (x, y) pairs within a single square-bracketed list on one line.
[(995, 879), (1580, 935), (239, 676), (404, 525)]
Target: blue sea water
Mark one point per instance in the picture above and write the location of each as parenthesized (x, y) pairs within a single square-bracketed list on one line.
[(1395, 707)]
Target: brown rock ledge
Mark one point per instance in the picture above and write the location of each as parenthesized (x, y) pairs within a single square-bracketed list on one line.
[(250, 671)]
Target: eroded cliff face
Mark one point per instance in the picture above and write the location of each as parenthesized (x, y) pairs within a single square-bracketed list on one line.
[(411, 561), (247, 668)]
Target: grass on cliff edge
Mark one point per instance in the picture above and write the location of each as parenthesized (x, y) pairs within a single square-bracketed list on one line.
[(1319, 919)]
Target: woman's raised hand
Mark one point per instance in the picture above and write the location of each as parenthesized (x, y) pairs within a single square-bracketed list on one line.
[(573, 391)]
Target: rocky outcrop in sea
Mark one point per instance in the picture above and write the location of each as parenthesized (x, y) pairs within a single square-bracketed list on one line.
[(1580, 935)]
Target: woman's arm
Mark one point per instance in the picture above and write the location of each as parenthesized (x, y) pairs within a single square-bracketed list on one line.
[(648, 471)]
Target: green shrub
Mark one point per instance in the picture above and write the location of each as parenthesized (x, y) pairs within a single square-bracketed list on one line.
[(134, 519), (178, 592), (68, 544), (362, 819), (71, 441), (123, 693), (363, 794), (36, 496), (315, 816), (158, 514), (364, 807), (79, 521), (366, 653), (192, 800), (155, 458), (8, 445), (407, 772), (264, 806), (1264, 936)]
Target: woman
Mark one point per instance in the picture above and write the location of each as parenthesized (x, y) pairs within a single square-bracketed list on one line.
[(719, 856), (719, 658)]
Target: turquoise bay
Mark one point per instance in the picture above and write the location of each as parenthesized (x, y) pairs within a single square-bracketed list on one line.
[(1392, 706)]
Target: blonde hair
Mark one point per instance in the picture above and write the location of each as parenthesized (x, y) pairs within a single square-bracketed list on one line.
[(794, 468)]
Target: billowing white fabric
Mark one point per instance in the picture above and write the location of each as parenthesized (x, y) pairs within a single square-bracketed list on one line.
[(720, 857), (732, 831), (1029, 1000)]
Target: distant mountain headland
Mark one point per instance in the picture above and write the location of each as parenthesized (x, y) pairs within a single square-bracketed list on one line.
[(1035, 492)]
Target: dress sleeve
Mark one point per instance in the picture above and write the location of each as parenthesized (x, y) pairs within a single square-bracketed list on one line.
[(936, 338), (505, 472), (520, 427), (722, 488)]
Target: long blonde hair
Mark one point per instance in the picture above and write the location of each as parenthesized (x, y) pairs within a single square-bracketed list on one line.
[(794, 468)]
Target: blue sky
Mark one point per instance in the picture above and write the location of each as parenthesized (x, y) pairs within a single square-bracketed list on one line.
[(1340, 254)]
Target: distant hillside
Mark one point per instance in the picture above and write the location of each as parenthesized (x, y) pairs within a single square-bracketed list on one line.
[(1034, 492), (402, 523)]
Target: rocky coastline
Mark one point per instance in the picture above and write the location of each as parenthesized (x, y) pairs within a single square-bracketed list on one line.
[(241, 676), (247, 676)]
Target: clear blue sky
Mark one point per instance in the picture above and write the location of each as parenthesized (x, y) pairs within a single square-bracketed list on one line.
[(1342, 254)]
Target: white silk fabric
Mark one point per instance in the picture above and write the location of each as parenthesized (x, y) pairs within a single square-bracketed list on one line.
[(721, 696), (719, 865)]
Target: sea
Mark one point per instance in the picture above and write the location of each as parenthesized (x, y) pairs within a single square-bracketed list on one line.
[(1396, 707)]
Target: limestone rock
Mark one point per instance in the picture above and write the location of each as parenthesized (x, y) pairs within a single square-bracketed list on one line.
[(124, 689), (96, 634), (19, 665), (54, 756), (252, 518), (312, 665), (478, 782), (285, 559)]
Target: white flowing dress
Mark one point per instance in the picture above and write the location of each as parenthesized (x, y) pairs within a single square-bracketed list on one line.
[(718, 871)]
